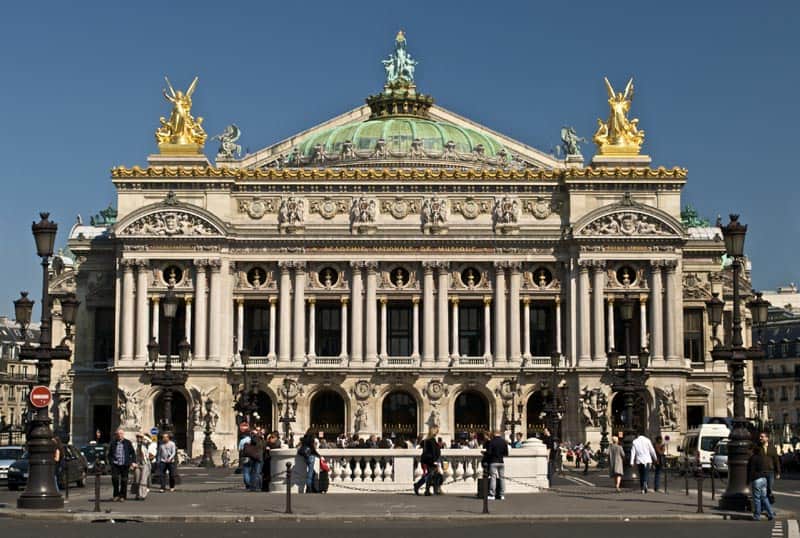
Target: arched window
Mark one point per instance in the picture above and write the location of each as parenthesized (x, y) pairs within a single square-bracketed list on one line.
[(471, 413), (399, 412)]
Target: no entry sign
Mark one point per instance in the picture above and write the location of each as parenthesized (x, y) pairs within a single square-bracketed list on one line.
[(244, 427), (40, 396)]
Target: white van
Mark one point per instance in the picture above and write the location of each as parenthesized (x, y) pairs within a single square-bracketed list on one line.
[(699, 444)]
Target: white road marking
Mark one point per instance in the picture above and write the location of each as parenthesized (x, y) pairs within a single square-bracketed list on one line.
[(787, 494), (580, 481), (777, 529), (793, 529)]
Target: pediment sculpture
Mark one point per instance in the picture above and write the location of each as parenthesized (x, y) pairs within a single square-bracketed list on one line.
[(626, 223), (170, 223)]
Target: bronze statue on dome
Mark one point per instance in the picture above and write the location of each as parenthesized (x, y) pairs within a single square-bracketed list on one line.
[(400, 65)]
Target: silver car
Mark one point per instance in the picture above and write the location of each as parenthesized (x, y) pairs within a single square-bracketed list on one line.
[(8, 455), (720, 458)]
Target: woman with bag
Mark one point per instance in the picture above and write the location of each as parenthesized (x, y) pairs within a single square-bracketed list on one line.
[(430, 455)]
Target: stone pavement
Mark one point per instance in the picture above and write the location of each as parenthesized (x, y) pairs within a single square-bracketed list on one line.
[(217, 496)]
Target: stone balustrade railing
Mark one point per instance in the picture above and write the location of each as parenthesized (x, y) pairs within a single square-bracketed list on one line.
[(392, 470)]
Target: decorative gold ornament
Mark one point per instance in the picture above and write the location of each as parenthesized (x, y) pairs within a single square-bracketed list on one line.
[(181, 134), (619, 135)]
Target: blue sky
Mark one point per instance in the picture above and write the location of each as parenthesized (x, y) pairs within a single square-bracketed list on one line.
[(716, 91)]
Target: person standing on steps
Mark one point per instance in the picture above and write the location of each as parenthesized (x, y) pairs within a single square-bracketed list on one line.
[(167, 452), (430, 455), (496, 451)]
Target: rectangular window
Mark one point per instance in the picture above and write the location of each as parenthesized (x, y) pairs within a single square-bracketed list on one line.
[(103, 337), (329, 329), (470, 329), (173, 338), (784, 394), (256, 329), (542, 329), (693, 336), (399, 329), (797, 392)]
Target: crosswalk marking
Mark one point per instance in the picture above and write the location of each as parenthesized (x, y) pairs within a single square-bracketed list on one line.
[(777, 530), (793, 529)]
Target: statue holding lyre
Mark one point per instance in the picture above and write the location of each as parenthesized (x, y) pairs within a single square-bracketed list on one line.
[(619, 135), (181, 133)]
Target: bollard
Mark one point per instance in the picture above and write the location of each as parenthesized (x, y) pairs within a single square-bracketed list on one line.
[(96, 487), (485, 492), (288, 488), (666, 480), (700, 492), (65, 480), (686, 477), (713, 485)]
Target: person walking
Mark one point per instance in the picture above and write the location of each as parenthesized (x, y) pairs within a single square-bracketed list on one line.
[(772, 460), (661, 459), (141, 473), (167, 452), (758, 469), (122, 457), (308, 450), (586, 457), (643, 454), (254, 451), (616, 462), (496, 451), (430, 455)]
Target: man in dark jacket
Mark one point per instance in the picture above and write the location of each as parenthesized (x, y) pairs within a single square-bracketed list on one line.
[(496, 450), (758, 468), (122, 458), (772, 461)]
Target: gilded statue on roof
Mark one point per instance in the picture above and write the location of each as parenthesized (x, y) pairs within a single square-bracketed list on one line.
[(181, 132), (619, 135), (399, 66)]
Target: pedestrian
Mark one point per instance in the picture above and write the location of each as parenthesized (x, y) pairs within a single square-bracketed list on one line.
[(643, 454), (616, 462), (758, 469), (123, 458), (430, 455), (661, 458), (167, 453), (773, 461), (496, 451), (58, 457), (586, 457), (141, 473), (308, 451), (517, 441), (226, 457), (254, 452)]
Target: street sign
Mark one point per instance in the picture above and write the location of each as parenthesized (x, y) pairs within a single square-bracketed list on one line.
[(153, 431), (244, 427), (40, 396)]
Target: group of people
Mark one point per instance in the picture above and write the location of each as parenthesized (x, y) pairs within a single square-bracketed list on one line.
[(763, 467), (644, 456), (254, 458), (124, 457)]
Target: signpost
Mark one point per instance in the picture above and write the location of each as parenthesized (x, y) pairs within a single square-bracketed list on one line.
[(40, 396)]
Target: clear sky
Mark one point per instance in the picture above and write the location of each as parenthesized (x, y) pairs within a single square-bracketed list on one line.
[(716, 91)]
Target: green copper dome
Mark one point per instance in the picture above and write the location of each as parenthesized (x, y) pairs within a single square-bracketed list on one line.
[(399, 134)]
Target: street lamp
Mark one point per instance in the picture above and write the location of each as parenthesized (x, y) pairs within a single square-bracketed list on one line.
[(513, 418), (246, 404), (737, 493), (41, 491), (288, 409), (208, 445), (628, 384), (602, 410)]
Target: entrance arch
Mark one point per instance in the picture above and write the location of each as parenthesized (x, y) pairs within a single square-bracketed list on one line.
[(399, 415), (618, 413), (327, 414), (471, 413), (534, 411), (264, 410), (180, 417)]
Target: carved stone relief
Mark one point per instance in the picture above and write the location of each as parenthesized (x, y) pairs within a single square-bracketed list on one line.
[(170, 223), (625, 224), (258, 207), (328, 208), (400, 208), (471, 208)]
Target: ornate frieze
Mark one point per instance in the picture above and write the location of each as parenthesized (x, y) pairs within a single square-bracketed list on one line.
[(400, 208), (258, 207), (470, 208), (696, 286), (540, 207), (328, 208), (625, 223), (169, 223)]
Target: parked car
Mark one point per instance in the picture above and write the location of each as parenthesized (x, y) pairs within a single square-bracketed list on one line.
[(8, 455), (698, 446), (76, 470), (96, 454), (720, 459)]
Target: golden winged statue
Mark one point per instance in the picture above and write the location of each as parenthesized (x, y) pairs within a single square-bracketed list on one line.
[(181, 133), (619, 135)]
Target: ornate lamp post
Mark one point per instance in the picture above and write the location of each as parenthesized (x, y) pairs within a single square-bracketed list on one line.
[(288, 410), (208, 445), (168, 379), (737, 492), (512, 410), (602, 409), (554, 406), (246, 404), (628, 384), (41, 491)]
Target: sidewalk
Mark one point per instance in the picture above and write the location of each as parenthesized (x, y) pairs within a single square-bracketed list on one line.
[(218, 497)]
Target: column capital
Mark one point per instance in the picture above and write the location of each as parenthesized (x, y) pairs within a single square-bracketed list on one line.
[(597, 265), (215, 264), (284, 266), (415, 299), (188, 300), (299, 267), (142, 263), (643, 299), (371, 266), (428, 266), (454, 300), (441, 266), (384, 299), (155, 299), (670, 265), (526, 299), (516, 267), (356, 265), (200, 263), (344, 299), (487, 300), (127, 264), (501, 264), (584, 265), (557, 299), (273, 300), (311, 299), (656, 265), (240, 301), (611, 300)]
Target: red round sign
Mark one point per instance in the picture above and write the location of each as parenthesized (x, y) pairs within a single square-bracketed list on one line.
[(40, 396), (244, 427)]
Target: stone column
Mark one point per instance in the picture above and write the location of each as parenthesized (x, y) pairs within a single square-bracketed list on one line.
[(187, 326), (584, 317), (357, 299), (526, 327), (154, 317), (117, 311), (285, 290), (128, 298), (429, 341), (454, 317), (571, 270), (142, 311), (415, 327), (272, 308), (215, 311), (513, 312), (598, 293), (500, 326), (240, 323), (312, 327), (558, 324), (643, 322), (669, 325), (384, 326), (487, 327), (299, 322), (343, 346), (611, 344), (372, 312), (442, 321), (201, 310), (656, 312)]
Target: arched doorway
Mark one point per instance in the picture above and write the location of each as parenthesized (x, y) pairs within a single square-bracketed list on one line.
[(618, 413), (536, 419), (180, 416), (327, 414), (399, 415), (471, 413), (264, 410)]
